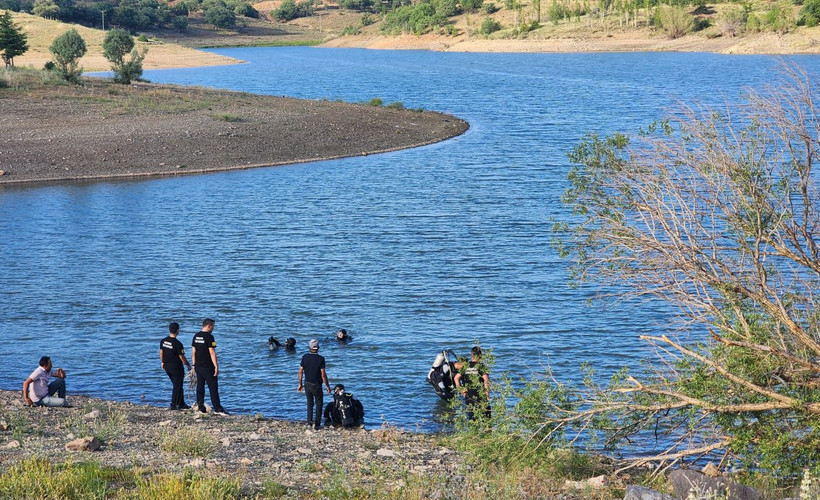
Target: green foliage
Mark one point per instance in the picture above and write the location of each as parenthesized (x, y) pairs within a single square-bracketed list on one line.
[(290, 10), (13, 41), (367, 20), (245, 9), (395, 105), (489, 8), (46, 9), (732, 22), (350, 30), (753, 24), (811, 7), (780, 18), (558, 11), (37, 479), (180, 23), (426, 16), (67, 50), (116, 45), (189, 485), (489, 26), (729, 183), (471, 5), (187, 442), (218, 14), (358, 5), (376, 102), (676, 21)]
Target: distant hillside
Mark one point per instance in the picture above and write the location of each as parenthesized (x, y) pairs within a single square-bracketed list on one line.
[(42, 32)]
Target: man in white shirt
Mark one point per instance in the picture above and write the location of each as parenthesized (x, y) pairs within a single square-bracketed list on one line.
[(37, 391)]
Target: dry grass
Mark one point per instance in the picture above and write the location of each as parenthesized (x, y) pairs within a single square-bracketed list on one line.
[(42, 32)]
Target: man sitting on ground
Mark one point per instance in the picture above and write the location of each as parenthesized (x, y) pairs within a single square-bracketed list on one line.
[(37, 391)]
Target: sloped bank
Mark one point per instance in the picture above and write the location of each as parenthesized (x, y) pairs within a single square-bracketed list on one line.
[(101, 130)]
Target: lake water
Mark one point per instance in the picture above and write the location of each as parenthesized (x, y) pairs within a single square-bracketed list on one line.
[(412, 252)]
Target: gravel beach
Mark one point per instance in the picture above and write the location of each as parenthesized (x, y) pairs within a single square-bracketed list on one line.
[(102, 130), (246, 447)]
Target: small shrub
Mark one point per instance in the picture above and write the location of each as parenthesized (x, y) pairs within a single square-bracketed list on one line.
[(350, 30), (809, 21), (367, 20), (142, 37), (753, 24), (220, 16), (272, 489), (489, 8), (180, 23), (226, 117), (33, 478), (187, 485), (376, 102), (395, 105), (187, 442), (471, 5), (732, 22), (676, 21), (290, 10), (489, 26), (67, 50)]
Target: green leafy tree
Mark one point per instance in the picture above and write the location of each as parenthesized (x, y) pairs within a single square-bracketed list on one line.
[(13, 42), (46, 9), (116, 45), (67, 50), (717, 215), (218, 14)]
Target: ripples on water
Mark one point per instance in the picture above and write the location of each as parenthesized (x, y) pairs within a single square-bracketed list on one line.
[(412, 252)]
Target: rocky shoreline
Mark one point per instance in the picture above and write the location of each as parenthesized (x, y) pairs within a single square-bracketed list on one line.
[(101, 130), (250, 448)]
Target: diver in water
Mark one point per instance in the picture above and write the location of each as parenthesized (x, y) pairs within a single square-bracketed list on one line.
[(342, 336), (274, 344), (442, 372)]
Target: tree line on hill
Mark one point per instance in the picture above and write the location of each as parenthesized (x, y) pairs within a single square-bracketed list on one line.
[(134, 15)]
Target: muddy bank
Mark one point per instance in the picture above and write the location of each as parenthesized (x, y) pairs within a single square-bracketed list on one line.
[(102, 130)]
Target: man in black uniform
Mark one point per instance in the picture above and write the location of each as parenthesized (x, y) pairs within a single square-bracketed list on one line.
[(313, 368), (207, 367), (172, 357)]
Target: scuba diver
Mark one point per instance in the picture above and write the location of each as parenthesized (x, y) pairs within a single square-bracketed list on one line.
[(343, 411), (442, 373), (342, 336), (274, 344)]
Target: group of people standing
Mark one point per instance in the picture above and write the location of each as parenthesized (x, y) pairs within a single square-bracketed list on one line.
[(312, 373)]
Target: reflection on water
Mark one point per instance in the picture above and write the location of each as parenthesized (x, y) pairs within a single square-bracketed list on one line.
[(412, 252)]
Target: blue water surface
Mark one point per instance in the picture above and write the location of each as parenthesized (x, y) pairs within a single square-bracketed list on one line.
[(411, 252)]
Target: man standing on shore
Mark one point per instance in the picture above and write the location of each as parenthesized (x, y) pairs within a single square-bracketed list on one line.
[(313, 368), (38, 391), (206, 367), (172, 357)]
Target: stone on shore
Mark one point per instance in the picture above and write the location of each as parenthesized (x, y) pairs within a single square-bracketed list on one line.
[(642, 493), (689, 482), (87, 443)]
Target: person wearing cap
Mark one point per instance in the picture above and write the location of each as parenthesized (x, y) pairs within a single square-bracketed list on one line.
[(342, 336), (172, 357), (313, 369), (206, 366), (474, 383), (38, 391)]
